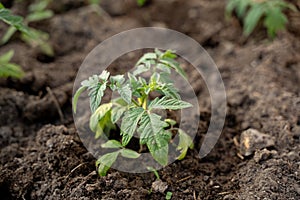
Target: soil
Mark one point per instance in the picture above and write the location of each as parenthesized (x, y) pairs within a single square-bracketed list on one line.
[(42, 157)]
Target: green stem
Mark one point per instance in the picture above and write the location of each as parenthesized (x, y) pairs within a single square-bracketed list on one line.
[(145, 103), (135, 103)]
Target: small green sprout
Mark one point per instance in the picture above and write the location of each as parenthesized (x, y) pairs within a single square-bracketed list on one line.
[(169, 195), (36, 12), (151, 169), (8, 69), (252, 11), (136, 110)]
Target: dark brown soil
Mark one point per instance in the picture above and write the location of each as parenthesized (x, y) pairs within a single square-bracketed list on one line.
[(42, 157)]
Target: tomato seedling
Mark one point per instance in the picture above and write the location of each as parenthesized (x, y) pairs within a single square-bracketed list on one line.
[(136, 110)]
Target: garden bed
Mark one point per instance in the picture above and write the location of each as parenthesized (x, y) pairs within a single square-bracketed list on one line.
[(42, 157)]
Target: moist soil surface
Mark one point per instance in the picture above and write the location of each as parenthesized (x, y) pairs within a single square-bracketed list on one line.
[(42, 156)]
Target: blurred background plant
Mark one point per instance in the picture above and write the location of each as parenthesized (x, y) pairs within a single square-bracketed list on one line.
[(269, 12), (37, 11), (8, 69)]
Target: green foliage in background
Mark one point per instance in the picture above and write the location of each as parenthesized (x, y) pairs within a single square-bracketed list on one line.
[(136, 110), (8, 69), (252, 11), (141, 2), (37, 11)]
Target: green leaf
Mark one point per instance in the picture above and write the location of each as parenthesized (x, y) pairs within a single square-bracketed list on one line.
[(116, 81), (38, 6), (46, 48), (167, 103), (125, 93), (105, 125), (153, 134), (129, 123), (7, 17), (145, 57), (105, 162), (158, 52), (1, 6), (128, 153), (135, 85), (163, 68), (13, 20), (119, 102), (252, 18), (117, 112), (169, 54), (96, 86), (141, 2), (76, 96), (175, 65), (94, 2), (140, 69), (159, 148), (231, 5), (168, 90), (169, 195), (8, 34), (185, 142), (154, 79), (171, 122), (104, 75), (38, 39), (150, 125), (11, 70), (275, 20), (241, 7), (8, 69), (166, 78), (112, 144), (39, 15), (98, 115), (6, 57), (142, 81)]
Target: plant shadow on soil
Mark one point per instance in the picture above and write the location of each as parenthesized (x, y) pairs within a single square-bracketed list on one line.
[(42, 157)]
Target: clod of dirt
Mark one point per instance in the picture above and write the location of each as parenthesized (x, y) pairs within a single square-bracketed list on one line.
[(252, 140), (11, 104), (65, 5), (117, 8), (262, 155), (44, 107), (159, 186)]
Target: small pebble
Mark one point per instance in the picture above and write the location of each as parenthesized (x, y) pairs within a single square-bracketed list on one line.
[(262, 155), (159, 186), (252, 140), (205, 178), (297, 188)]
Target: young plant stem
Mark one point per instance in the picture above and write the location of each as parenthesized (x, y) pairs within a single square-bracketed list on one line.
[(135, 103), (143, 101)]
